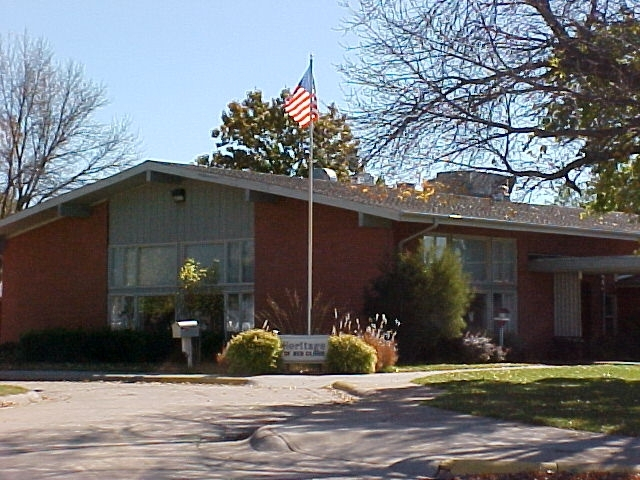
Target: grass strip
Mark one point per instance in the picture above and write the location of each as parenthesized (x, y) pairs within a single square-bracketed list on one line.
[(602, 398)]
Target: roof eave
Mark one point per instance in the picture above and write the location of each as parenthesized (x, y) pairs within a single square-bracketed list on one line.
[(510, 225)]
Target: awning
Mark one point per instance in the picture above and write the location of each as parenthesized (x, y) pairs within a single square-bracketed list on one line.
[(621, 264)]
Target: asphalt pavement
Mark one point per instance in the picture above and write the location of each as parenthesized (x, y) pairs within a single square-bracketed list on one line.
[(92, 425)]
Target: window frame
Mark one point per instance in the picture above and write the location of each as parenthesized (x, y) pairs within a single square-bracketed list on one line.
[(491, 285), (126, 286)]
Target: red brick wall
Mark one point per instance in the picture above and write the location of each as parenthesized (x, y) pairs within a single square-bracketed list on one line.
[(346, 257), (56, 276), (535, 290)]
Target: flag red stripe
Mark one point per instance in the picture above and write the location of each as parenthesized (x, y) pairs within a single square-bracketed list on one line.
[(301, 105)]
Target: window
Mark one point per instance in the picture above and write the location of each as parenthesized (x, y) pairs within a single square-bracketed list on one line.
[(143, 283), (492, 266), (240, 260), (156, 312), (239, 312), (122, 313), (150, 313), (247, 261), (143, 266), (434, 242), (504, 261), (208, 254), (473, 253), (124, 267), (157, 266)]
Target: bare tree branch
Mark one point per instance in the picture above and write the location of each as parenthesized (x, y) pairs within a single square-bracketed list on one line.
[(504, 86), (50, 142)]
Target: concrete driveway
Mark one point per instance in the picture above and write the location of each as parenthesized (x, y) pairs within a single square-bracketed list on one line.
[(285, 427)]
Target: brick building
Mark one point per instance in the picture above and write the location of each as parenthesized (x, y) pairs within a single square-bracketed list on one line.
[(108, 253)]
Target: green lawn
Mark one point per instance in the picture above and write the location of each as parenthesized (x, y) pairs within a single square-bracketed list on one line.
[(599, 398), (11, 390)]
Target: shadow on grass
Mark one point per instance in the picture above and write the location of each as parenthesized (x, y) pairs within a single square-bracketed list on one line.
[(610, 406)]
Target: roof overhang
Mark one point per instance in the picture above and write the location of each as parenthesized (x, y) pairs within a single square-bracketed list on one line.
[(77, 202), (621, 264), (510, 225)]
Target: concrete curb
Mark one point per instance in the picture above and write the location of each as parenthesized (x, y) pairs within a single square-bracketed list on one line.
[(351, 389), (20, 399), (79, 376)]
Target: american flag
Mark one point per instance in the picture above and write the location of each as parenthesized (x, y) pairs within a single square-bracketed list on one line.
[(301, 105)]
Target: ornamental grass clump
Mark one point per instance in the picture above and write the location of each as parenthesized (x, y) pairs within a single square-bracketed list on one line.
[(348, 353), (252, 352), (377, 334)]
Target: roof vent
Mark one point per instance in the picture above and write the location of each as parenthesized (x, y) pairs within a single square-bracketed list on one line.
[(325, 174), (362, 178), (477, 184)]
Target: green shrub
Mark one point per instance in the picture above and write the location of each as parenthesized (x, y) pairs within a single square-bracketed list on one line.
[(252, 352), (51, 345), (376, 334), (430, 292), (8, 352), (94, 346), (479, 348), (348, 353)]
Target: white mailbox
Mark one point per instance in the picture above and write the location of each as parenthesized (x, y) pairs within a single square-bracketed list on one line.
[(185, 329)]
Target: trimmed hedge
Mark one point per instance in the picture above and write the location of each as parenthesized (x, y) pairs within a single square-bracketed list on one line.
[(348, 353), (100, 346), (252, 352)]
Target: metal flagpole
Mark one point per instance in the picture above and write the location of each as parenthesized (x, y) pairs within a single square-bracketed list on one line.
[(310, 232)]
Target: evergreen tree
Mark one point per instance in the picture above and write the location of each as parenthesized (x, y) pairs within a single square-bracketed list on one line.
[(428, 292)]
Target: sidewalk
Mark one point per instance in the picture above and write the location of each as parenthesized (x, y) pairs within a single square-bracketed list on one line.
[(379, 429)]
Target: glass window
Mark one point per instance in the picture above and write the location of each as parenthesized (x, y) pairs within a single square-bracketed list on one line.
[(144, 283), (504, 260), (156, 313), (208, 254), (233, 313), (122, 313), (246, 306), (247, 261), (438, 243), (477, 315), (233, 262), (123, 267), (158, 266), (473, 254), (239, 312)]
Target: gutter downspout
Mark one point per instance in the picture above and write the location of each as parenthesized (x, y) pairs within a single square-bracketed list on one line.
[(430, 228)]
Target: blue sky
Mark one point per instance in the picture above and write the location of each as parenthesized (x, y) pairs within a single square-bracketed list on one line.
[(172, 66)]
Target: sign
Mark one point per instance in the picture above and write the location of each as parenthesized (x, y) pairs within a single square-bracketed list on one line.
[(304, 348)]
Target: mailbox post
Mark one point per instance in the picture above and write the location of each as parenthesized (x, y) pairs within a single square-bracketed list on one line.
[(501, 321), (186, 330)]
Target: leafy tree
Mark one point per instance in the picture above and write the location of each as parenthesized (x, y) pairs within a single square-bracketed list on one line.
[(616, 187), (259, 136), (50, 142), (429, 293), (199, 295), (600, 70), (545, 90)]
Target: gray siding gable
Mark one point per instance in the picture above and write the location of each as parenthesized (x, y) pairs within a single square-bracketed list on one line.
[(149, 215)]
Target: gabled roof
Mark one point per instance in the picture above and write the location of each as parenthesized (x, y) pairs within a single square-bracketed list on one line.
[(396, 204)]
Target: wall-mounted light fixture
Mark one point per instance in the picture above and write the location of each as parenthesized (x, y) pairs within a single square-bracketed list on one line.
[(178, 195)]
